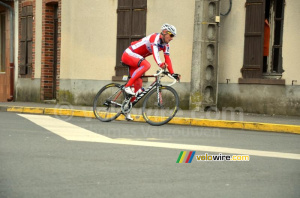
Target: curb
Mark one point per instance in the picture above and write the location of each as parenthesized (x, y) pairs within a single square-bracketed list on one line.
[(254, 126)]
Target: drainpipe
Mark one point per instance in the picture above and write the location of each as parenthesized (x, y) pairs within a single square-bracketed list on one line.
[(11, 54)]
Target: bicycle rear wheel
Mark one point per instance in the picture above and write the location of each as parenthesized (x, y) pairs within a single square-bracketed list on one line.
[(159, 108), (108, 101)]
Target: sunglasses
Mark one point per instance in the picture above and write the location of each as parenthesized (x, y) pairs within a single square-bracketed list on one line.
[(172, 35)]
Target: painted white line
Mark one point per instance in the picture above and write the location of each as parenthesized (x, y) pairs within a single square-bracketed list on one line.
[(75, 133), (64, 129), (209, 149)]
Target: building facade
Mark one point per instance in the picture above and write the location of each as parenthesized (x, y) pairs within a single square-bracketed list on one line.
[(66, 50)]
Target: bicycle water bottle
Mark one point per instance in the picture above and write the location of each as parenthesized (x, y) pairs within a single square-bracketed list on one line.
[(141, 90)]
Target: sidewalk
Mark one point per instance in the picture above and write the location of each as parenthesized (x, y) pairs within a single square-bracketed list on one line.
[(231, 120)]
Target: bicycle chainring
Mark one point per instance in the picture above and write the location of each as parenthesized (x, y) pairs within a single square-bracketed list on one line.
[(126, 106)]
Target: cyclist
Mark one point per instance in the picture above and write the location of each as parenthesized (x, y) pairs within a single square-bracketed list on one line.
[(135, 54)]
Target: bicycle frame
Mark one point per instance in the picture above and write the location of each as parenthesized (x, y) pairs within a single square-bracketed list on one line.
[(156, 83)]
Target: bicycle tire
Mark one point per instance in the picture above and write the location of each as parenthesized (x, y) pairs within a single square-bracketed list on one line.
[(103, 108), (159, 114)]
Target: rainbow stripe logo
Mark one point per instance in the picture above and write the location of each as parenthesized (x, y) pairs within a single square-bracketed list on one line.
[(188, 159)]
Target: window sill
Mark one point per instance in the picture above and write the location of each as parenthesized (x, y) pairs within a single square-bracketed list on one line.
[(262, 81), (120, 78), (25, 76)]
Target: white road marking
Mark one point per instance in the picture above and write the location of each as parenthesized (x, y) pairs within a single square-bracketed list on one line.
[(75, 133), (64, 129)]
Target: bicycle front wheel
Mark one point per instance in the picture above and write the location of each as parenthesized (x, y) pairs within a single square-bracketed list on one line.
[(108, 102), (161, 106)]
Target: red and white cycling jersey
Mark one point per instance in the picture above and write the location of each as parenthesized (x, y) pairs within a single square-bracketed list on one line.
[(134, 57), (151, 44)]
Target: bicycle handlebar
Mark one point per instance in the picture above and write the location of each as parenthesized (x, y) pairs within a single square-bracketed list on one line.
[(174, 79), (158, 72), (163, 71)]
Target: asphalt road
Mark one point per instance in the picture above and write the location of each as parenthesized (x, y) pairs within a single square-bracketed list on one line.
[(52, 162)]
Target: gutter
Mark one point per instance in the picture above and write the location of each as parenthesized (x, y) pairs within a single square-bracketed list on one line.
[(11, 54)]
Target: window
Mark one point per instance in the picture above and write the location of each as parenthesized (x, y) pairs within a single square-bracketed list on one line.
[(3, 41), (263, 42), (274, 12), (131, 27), (26, 41)]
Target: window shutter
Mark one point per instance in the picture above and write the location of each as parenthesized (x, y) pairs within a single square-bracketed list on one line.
[(26, 40), (29, 42), (131, 27), (23, 70), (139, 19), (254, 38), (123, 34)]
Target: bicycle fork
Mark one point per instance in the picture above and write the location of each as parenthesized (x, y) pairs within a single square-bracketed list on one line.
[(159, 97)]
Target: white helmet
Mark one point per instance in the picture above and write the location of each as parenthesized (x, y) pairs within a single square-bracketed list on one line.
[(169, 27)]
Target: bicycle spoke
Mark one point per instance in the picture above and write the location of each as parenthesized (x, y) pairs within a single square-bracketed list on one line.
[(107, 103), (159, 108)]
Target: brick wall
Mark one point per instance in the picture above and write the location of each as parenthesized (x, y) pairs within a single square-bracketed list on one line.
[(48, 88)]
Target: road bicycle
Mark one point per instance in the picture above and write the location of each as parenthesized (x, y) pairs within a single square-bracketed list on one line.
[(159, 107)]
